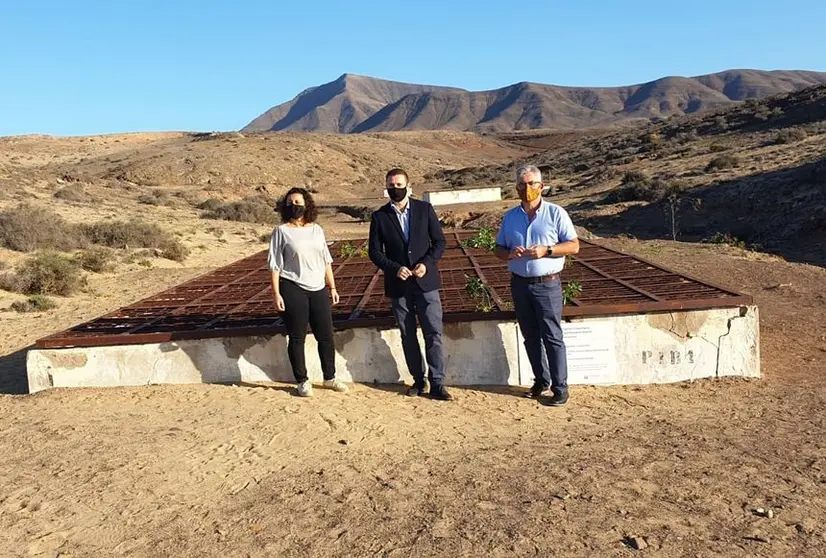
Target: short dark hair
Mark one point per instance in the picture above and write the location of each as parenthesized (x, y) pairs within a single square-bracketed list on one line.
[(396, 172), (310, 213)]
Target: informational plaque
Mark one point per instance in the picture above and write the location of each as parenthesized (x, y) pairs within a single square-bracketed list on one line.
[(591, 355)]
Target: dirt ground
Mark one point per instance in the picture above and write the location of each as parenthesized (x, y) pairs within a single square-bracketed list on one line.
[(254, 471)]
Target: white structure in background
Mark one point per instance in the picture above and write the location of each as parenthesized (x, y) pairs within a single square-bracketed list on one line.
[(465, 195)]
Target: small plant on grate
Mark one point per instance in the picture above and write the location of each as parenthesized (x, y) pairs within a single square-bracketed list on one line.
[(485, 238), (570, 291), (479, 292), (349, 250)]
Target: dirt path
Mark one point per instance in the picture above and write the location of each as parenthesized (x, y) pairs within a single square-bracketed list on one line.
[(253, 471)]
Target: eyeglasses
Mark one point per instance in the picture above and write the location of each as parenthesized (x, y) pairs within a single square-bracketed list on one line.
[(531, 184)]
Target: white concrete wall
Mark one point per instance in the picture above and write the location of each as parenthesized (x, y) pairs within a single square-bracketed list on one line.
[(469, 195), (636, 349)]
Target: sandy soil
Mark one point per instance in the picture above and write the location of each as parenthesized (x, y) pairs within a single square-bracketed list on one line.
[(254, 471)]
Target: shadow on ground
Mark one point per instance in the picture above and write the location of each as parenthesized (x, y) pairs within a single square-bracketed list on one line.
[(781, 212), (13, 379)]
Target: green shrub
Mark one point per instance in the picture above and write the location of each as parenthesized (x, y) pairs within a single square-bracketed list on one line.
[(360, 212), (35, 303), (570, 291), (26, 228), (348, 249), (97, 259), (631, 177), (46, 273), (210, 204), (722, 162), (485, 238), (727, 239), (791, 135), (155, 197), (256, 209), (135, 234), (73, 193), (636, 186)]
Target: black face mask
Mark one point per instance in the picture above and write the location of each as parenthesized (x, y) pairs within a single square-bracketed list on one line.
[(296, 211), (397, 194)]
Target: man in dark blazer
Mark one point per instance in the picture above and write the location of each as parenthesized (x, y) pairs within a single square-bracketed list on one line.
[(406, 243)]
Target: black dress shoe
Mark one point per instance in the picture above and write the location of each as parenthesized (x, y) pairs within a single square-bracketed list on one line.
[(558, 399), (440, 393), (538, 389), (416, 390)]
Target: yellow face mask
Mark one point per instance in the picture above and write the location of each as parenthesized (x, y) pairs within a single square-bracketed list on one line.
[(530, 195)]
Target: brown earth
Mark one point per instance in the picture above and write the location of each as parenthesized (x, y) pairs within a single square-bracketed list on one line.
[(252, 470)]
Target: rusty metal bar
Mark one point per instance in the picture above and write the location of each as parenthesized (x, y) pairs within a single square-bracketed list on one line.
[(620, 281), (685, 275), (365, 297), (192, 302)]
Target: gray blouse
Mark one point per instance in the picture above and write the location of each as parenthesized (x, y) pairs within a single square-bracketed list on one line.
[(300, 254)]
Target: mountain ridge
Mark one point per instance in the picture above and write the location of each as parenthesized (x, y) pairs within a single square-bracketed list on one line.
[(354, 103)]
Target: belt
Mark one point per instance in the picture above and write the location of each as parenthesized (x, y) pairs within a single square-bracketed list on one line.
[(540, 279)]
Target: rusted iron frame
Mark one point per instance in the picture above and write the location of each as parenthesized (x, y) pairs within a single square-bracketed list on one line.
[(687, 276), (192, 302), (237, 265), (145, 300), (62, 339), (500, 304), (277, 317), (620, 281), (386, 321)]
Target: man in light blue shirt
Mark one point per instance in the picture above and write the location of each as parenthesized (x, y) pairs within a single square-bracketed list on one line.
[(534, 239)]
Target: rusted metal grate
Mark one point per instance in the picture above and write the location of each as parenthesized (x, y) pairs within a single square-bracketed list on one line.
[(237, 299)]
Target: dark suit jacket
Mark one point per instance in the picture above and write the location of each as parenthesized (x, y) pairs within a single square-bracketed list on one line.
[(389, 251)]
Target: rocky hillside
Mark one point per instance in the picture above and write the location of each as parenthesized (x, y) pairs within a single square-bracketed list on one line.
[(354, 103)]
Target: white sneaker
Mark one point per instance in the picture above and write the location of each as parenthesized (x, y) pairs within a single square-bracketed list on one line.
[(336, 385), (305, 388)]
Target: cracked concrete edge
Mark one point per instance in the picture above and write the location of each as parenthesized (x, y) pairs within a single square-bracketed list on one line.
[(743, 357)]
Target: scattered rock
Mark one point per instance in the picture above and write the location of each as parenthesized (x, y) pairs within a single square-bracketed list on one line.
[(343, 442), (768, 513), (635, 542)]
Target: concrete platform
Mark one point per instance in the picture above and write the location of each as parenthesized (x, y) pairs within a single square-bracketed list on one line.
[(646, 348)]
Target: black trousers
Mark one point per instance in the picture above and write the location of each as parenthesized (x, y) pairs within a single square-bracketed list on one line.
[(302, 308)]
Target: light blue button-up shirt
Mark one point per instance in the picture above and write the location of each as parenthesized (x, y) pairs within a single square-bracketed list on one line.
[(551, 225), (404, 218)]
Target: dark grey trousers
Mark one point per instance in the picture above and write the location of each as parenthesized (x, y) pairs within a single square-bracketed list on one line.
[(427, 306), (539, 313)]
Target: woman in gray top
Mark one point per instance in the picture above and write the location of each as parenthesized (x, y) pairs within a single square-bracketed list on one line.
[(303, 283)]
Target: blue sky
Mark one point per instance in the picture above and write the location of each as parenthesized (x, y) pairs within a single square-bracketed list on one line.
[(91, 67)]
